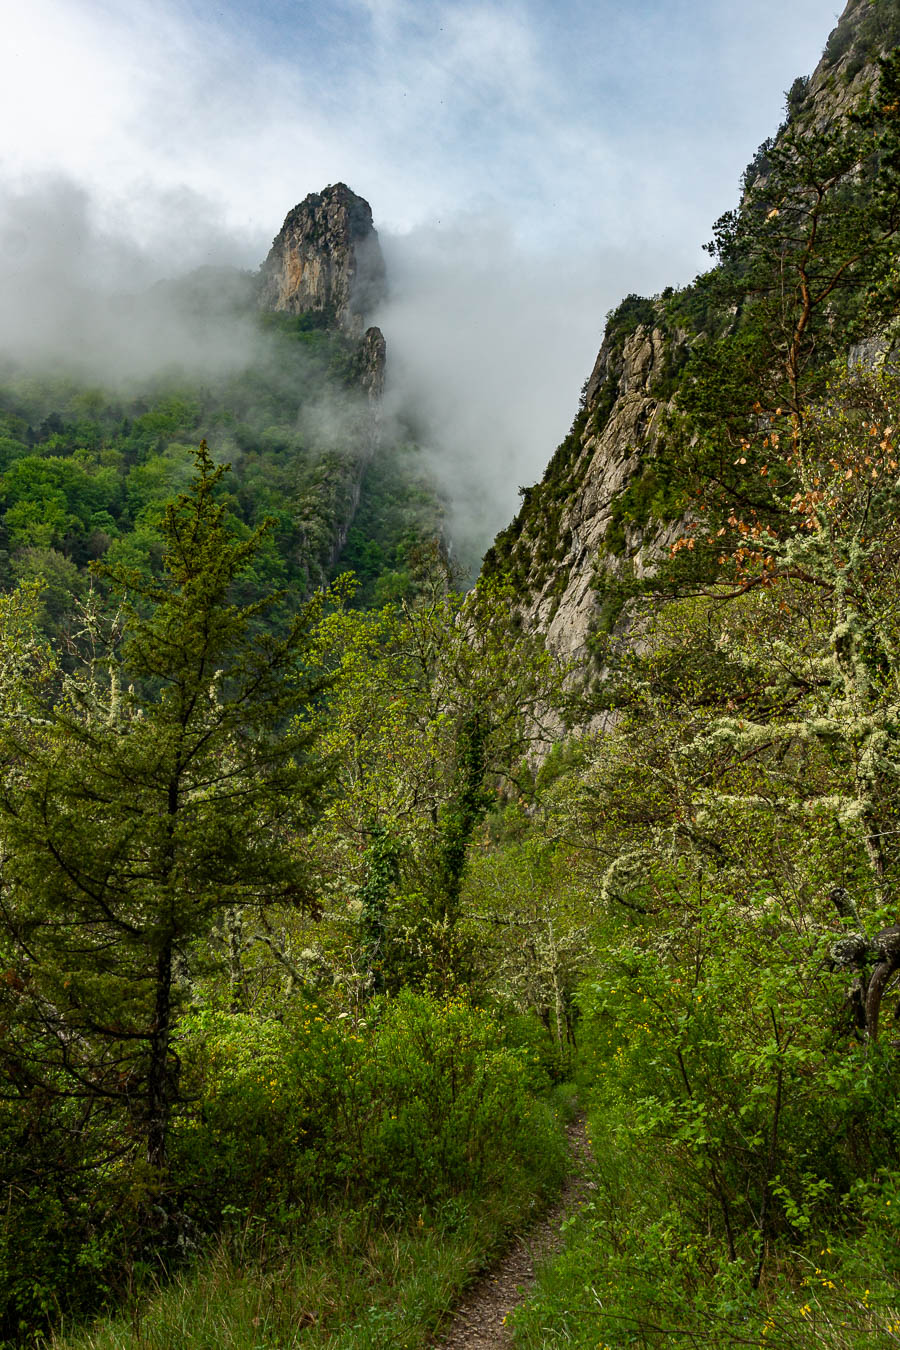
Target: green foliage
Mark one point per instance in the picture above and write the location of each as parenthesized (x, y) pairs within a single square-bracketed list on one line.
[(804, 266), (397, 517), (418, 1102), (648, 497), (346, 1211), (811, 239), (82, 470), (796, 95), (869, 34), (437, 704), (270, 1019), (135, 804), (839, 43), (64, 1226), (725, 1128), (353, 1282), (468, 803), (382, 877)]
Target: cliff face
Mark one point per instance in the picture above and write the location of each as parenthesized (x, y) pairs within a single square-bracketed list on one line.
[(561, 536), (325, 265), (602, 506), (326, 260)]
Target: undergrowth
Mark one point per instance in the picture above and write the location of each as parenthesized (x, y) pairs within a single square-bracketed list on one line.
[(347, 1277), (351, 1282)]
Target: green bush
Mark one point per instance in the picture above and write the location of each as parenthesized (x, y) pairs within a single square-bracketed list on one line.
[(747, 1150), (424, 1102), (65, 1226), (757, 1106)]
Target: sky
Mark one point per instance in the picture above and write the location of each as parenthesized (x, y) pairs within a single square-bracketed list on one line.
[(528, 164)]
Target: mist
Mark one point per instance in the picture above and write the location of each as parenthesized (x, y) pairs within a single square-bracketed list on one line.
[(489, 339), (85, 300), (489, 342)]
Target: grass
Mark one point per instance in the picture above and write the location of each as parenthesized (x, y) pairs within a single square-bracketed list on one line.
[(349, 1285), (349, 1281), (372, 1289)]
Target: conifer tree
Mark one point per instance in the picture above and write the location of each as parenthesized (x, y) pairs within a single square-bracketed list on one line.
[(166, 780)]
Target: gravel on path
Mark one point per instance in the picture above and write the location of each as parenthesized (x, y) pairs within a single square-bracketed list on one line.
[(479, 1322)]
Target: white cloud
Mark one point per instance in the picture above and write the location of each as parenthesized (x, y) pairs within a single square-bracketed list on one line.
[(489, 342)]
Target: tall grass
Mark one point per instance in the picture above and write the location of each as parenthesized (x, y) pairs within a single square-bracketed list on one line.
[(348, 1280)]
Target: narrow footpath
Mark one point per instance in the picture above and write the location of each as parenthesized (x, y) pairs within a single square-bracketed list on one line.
[(480, 1321)]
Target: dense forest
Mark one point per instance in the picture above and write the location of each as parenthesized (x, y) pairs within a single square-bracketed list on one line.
[(87, 470), (330, 893)]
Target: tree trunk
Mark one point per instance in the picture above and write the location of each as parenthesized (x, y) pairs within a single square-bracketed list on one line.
[(159, 1084), (234, 932)]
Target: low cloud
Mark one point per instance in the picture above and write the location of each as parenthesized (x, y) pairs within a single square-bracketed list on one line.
[(84, 300), (489, 339), (489, 342)]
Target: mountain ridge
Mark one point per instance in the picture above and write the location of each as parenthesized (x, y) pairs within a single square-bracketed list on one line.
[(603, 517)]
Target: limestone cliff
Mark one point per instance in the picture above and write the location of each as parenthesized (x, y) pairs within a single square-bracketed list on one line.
[(326, 260), (325, 267), (569, 528), (602, 507)]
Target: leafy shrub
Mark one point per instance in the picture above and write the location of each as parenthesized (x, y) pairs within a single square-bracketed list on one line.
[(424, 1102), (839, 43), (64, 1227), (796, 95)]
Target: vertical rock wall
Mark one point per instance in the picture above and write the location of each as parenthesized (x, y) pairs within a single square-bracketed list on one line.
[(326, 260)]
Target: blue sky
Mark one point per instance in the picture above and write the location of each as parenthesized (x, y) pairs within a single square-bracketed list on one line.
[(573, 119), (528, 164)]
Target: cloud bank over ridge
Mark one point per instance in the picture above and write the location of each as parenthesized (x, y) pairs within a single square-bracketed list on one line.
[(527, 164)]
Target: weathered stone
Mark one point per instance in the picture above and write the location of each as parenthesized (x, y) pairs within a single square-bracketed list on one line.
[(608, 461), (326, 260)]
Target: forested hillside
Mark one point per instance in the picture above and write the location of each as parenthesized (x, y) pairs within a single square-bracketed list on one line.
[(325, 906), (285, 387)]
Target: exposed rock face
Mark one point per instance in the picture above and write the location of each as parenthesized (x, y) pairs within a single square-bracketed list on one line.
[(326, 260), (371, 379), (864, 31), (571, 527), (609, 460), (602, 455), (374, 357)]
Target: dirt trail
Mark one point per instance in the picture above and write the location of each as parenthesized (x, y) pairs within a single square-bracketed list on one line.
[(478, 1323)]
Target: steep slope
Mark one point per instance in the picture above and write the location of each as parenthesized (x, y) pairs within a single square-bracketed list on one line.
[(572, 522), (612, 501)]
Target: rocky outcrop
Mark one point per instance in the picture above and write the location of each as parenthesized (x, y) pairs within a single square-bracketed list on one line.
[(612, 454), (326, 260), (569, 531), (865, 30), (601, 507), (325, 266), (373, 358)]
